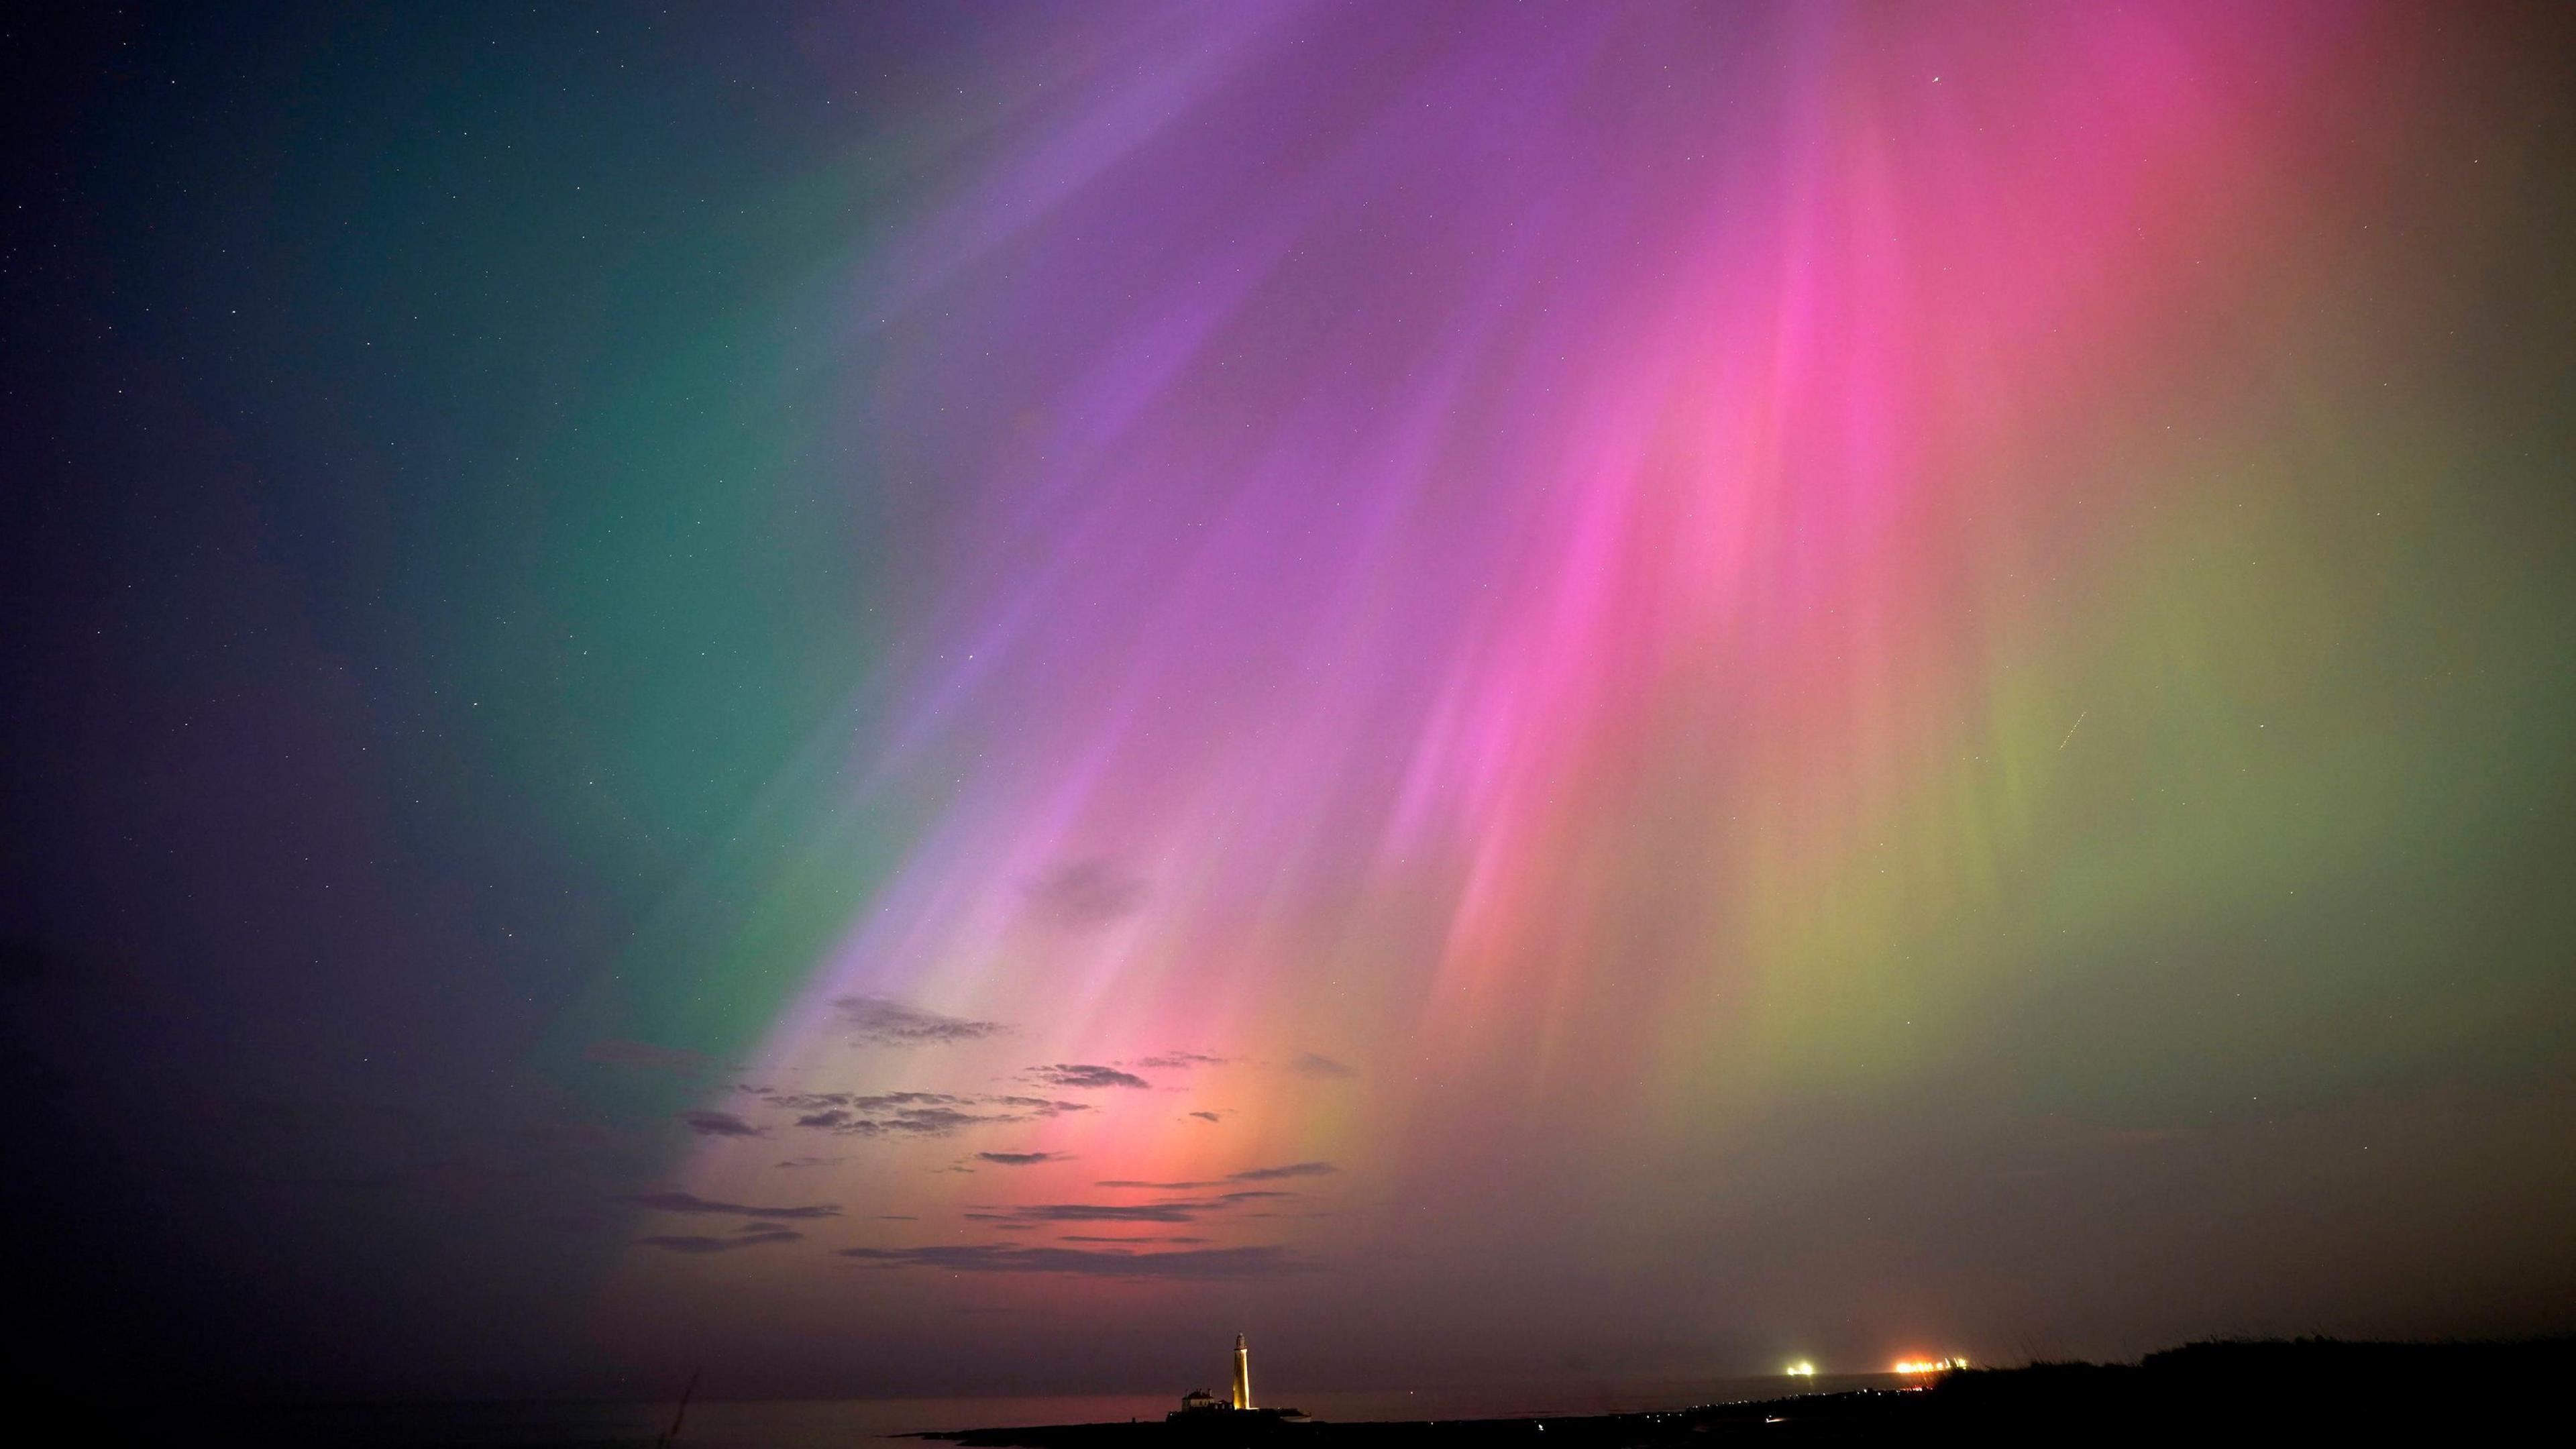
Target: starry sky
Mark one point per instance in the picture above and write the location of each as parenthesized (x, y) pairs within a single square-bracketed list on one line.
[(906, 698)]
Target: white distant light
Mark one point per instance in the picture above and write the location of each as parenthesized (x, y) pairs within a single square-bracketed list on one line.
[(1802, 1370)]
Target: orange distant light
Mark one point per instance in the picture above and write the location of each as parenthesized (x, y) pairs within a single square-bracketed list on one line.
[(1913, 1366)]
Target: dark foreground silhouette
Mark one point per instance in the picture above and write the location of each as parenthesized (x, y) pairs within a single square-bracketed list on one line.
[(2305, 1391)]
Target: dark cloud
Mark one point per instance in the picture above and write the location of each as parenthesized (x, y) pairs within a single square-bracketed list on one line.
[(881, 1101), (1039, 1106), (1184, 1263), (1275, 1174), (902, 1115), (1082, 1076), (920, 1122), (1085, 893), (1102, 1238), (1181, 1061), (1022, 1159), (690, 1243), (800, 1101), (643, 1055), (881, 1021), (1095, 1212), (834, 1108), (1323, 1068), (812, 1161), (720, 1124), (681, 1202), (1249, 1174), (1208, 1116), (1168, 1210)]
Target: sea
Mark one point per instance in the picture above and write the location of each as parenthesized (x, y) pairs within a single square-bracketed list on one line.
[(858, 1423)]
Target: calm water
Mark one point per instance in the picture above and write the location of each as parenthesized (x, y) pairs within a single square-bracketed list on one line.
[(843, 1423)]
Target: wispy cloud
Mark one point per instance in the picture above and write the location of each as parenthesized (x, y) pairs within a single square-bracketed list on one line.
[(1208, 1116), (1039, 1106), (1104, 1238), (1100, 1212), (1180, 1061), (897, 1115), (1249, 1174), (720, 1124), (883, 1021), (1322, 1068), (1167, 1210), (696, 1243), (1179, 1264), (920, 1122), (681, 1202), (1083, 1076), (1022, 1159), (1276, 1174), (945, 1121), (1085, 893), (808, 1101)]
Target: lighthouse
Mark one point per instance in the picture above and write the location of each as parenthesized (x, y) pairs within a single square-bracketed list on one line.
[(1198, 1404)]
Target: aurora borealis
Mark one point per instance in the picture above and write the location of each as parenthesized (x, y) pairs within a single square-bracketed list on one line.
[(908, 698)]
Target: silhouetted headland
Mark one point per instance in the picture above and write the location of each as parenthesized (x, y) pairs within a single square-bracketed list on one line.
[(2302, 1390)]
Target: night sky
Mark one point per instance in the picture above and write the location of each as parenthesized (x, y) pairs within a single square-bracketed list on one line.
[(909, 698)]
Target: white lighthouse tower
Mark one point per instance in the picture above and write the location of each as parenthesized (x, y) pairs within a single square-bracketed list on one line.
[(1242, 1374)]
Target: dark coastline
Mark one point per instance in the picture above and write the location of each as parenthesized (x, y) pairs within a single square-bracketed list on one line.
[(2297, 1389)]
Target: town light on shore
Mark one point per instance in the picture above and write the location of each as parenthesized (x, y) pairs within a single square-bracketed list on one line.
[(1913, 1366), (1802, 1370)]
